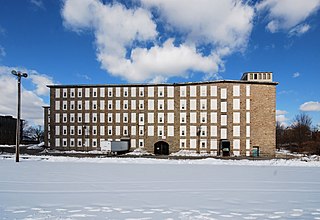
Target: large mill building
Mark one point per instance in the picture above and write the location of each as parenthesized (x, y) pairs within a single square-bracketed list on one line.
[(229, 117)]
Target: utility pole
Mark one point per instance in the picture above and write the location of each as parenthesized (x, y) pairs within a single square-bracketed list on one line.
[(19, 75)]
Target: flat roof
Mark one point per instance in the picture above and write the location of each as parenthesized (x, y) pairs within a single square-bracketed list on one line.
[(163, 84)]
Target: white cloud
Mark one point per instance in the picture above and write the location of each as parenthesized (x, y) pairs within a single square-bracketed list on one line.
[(41, 81), (299, 30), (31, 102), (296, 74), (129, 45), (310, 106), (288, 14), (281, 117), (281, 112)]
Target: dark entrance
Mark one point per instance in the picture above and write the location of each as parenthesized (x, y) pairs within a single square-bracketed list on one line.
[(255, 151), (161, 148), (225, 148)]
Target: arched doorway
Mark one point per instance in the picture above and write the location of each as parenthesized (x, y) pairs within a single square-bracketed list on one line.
[(161, 148)]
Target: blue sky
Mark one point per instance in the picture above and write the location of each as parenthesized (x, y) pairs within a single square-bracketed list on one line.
[(90, 42)]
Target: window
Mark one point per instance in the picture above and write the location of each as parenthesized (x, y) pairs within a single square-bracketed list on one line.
[(183, 91), (101, 92), (193, 91), (236, 117), (183, 104), (110, 105), (170, 91), (141, 91), (213, 90), (87, 92), (203, 104), (79, 93), (64, 93), (160, 91), (150, 104), (213, 144), (94, 105), (133, 91), (247, 90), (125, 117), (57, 105), (117, 92), (170, 104), (236, 131), (224, 93), (125, 92), (247, 104), (160, 117), (170, 118), (150, 131), (117, 117), (193, 104), (182, 144), (223, 133), (133, 104), (203, 117), (109, 92), (203, 90), (193, 117), (57, 93), (213, 131), (171, 131), (150, 91), (94, 92), (79, 118), (125, 104), (247, 131), (141, 104), (117, 104), (247, 117), (236, 104), (141, 130), (183, 117), (160, 104), (150, 118), (133, 117), (236, 144), (183, 131), (133, 130), (223, 106), (213, 104), (223, 120), (236, 90)]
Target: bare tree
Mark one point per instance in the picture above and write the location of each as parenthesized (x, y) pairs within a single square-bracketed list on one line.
[(34, 133), (301, 128)]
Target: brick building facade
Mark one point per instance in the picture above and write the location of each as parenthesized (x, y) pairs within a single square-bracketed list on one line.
[(166, 118)]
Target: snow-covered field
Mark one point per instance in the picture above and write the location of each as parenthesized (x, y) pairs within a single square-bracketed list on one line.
[(126, 188)]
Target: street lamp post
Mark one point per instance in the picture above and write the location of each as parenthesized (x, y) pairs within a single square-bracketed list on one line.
[(19, 75)]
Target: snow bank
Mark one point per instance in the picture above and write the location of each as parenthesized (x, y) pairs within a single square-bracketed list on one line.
[(312, 161)]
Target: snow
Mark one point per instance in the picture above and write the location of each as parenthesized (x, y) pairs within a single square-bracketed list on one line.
[(47, 187)]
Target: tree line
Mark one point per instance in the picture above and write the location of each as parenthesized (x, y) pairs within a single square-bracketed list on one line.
[(301, 136)]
